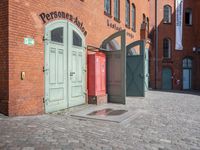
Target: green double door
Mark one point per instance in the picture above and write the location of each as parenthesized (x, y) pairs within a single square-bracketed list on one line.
[(64, 66)]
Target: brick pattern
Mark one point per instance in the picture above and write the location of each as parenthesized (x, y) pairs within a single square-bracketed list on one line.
[(190, 39), (26, 96), (4, 57)]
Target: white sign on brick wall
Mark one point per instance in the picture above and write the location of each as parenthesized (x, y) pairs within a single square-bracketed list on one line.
[(29, 41)]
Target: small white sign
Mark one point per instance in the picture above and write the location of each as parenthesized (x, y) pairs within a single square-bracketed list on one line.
[(29, 41)]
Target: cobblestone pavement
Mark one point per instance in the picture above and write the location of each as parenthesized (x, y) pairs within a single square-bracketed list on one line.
[(166, 121)]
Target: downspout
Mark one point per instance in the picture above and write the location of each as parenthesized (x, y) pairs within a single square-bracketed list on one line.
[(156, 43)]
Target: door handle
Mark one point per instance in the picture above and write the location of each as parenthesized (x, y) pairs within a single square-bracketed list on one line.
[(72, 73), (44, 70), (141, 75)]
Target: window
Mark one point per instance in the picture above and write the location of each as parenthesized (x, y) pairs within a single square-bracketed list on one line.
[(133, 18), (116, 9), (167, 14), (77, 41), (127, 21), (187, 63), (147, 24), (167, 48), (107, 7), (57, 35), (143, 18), (188, 16)]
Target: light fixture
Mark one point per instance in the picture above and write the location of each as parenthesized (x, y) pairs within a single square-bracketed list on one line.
[(194, 49)]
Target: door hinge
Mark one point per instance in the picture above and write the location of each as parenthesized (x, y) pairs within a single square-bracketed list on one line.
[(44, 69), (44, 100), (44, 39)]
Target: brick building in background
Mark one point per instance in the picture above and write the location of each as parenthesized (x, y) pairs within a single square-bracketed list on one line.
[(170, 68), (33, 31)]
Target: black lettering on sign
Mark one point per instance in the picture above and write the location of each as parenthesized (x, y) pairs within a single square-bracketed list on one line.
[(118, 28), (46, 17)]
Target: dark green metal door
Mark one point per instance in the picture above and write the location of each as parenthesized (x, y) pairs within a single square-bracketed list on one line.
[(166, 79), (135, 69), (115, 49)]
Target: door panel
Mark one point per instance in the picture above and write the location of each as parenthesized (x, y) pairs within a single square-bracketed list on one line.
[(55, 58), (186, 79), (135, 69), (146, 69), (77, 67), (166, 79), (115, 47)]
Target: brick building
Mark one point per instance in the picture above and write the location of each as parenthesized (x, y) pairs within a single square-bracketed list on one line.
[(171, 68), (25, 29)]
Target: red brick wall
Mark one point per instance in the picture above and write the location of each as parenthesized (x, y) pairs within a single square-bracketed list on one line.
[(197, 43), (25, 96), (168, 31), (4, 57)]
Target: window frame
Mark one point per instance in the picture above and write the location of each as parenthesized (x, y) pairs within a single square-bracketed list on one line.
[(109, 14), (189, 10), (133, 17), (169, 48), (127, 16), (118, 10), (169, 14)]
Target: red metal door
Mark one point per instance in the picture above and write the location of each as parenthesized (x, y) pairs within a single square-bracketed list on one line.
[(96, 74)]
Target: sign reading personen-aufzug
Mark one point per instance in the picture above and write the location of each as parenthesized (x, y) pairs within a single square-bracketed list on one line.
[(46, 17), (179, 25)]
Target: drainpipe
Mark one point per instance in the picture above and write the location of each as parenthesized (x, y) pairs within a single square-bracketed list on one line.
[(156, 43)]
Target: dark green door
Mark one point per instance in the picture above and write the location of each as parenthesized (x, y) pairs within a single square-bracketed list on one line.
[(135, 69), (115, 49), (166, 79)]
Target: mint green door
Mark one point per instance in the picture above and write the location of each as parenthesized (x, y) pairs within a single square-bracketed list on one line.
[(55, 66), (64, 68), (76, 66), (146, 86)]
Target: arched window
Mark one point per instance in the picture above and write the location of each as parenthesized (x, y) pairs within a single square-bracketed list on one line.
[(147, 24), (133, 18), (107, 7), (188, 16), (187, 63), (143, 18), (116, 9), (127, 20), (167, 14), (77, 40), (166, 48)]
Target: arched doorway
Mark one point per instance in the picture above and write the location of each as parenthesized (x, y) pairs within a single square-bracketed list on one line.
[(64, 66), (166, 79), (187, 74)]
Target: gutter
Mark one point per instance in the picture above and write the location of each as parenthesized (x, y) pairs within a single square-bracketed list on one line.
[(156, 43)]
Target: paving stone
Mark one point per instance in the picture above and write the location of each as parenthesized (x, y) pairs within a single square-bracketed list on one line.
[(163, 121)]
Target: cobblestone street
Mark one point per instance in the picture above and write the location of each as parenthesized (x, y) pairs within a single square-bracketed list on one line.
[(162, 121)]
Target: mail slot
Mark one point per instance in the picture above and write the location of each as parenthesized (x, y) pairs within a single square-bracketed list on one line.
[(97, 77)]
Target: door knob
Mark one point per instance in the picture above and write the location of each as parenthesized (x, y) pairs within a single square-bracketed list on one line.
[(72, 73)]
